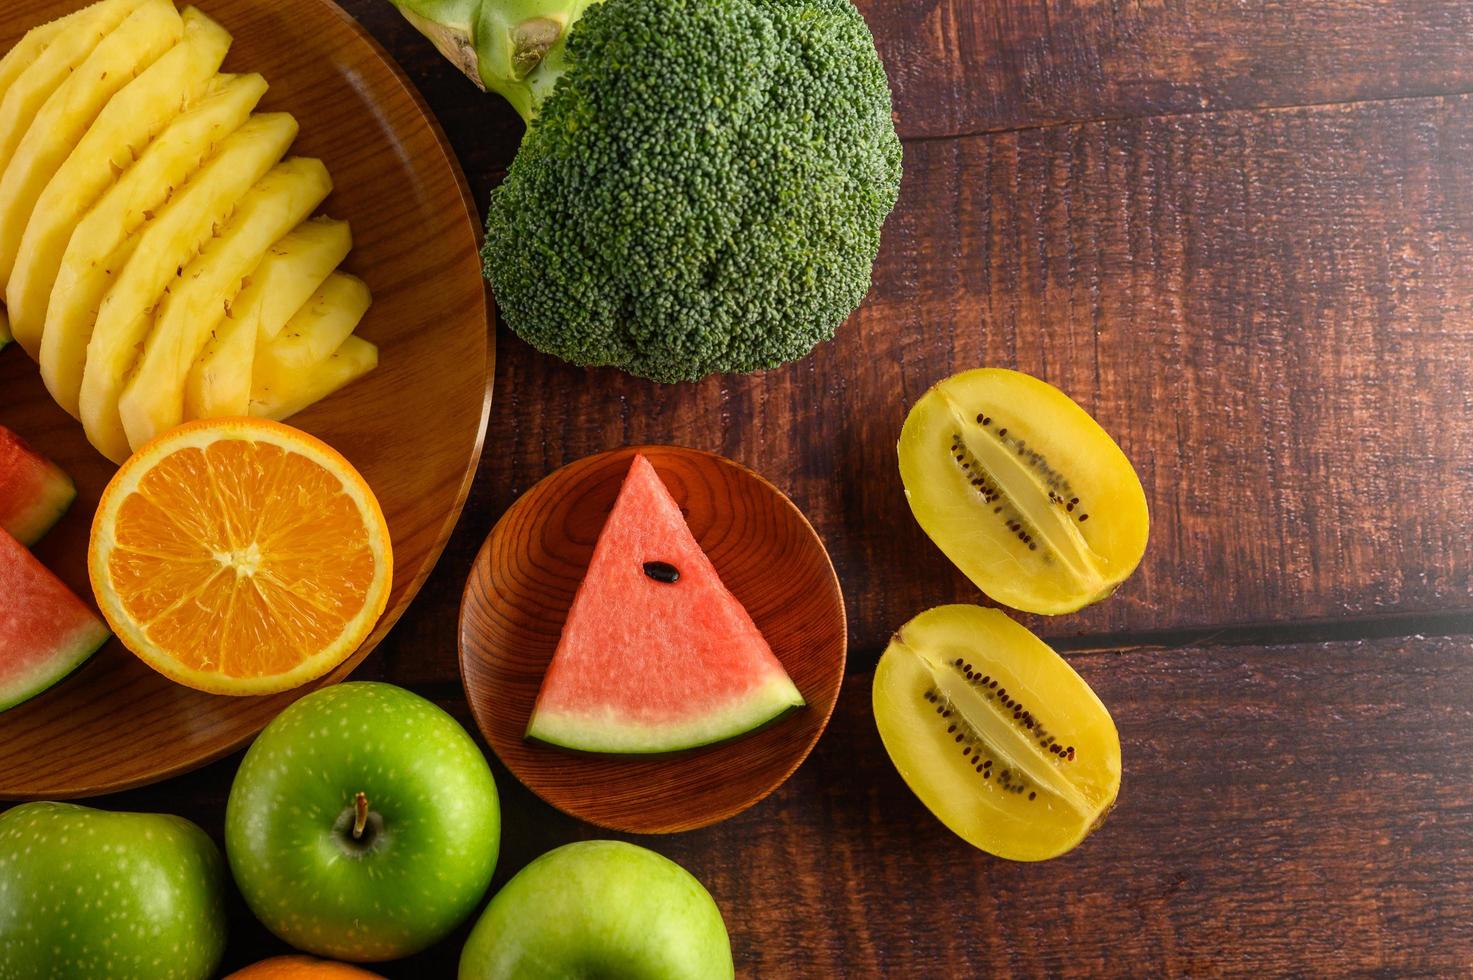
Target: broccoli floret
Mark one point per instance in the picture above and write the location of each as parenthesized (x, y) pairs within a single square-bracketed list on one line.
[(701, 187)]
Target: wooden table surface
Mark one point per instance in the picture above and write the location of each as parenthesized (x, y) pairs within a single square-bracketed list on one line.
[(1240, 233)]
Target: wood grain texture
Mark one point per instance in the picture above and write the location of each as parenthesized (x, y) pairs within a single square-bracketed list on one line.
[(413, 427), (1270, 313), (521, 587), (1295, 810), (961, 67)]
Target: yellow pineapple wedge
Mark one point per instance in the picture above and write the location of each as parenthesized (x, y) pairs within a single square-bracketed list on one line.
[(193, 306), (31, 47), (146, 33), (133, 117), (279, 396), (219, 383), (51, 59), (318, 329), (95, 255), (167, 244)]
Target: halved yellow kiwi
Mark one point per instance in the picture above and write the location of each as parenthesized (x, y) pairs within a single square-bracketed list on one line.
[(996, 733), (1022, 490)]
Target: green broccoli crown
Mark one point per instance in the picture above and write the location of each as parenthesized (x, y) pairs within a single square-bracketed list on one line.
[(702, 191)]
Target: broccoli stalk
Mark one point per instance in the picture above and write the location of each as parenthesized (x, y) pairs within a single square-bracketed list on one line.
[(511, 47), (702, 184)]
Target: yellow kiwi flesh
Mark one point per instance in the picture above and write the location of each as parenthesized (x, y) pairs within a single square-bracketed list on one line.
[(996, 733), (1022, 490)]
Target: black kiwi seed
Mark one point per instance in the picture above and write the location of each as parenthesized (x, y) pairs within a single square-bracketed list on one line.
[(662, 571)]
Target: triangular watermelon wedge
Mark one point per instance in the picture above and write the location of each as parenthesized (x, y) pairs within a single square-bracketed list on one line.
[(647, 665), (45, 631), (34, 492)]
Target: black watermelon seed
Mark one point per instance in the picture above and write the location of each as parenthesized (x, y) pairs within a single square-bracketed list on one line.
[(662, 571)]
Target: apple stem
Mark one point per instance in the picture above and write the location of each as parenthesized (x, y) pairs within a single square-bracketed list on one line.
[(360, 814)]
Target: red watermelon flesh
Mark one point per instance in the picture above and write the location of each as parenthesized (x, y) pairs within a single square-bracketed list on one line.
[(34, 492), (45, 631), (646, 665)]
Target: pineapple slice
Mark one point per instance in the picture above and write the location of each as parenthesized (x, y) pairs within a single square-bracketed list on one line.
[(4, 329), (166, 245), (131, 119), (92, 259), (220, 381), (318, 329), (287, 378), (193, 306), (29, 48), (147, 33), (48, 60), (278, 396)]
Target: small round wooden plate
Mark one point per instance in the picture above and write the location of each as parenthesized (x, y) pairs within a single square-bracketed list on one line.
[(523, 583), (413, 427)]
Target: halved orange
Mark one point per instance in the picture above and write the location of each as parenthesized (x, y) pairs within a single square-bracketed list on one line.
[(240, 556), (300, 968)]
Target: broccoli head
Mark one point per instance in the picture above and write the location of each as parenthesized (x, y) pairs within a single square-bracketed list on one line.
[(702, 184)]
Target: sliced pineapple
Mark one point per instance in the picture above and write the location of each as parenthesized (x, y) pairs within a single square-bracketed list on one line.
[(62, 47), (318, 329), (220, 381), (30, 47), (288, 377), (167, 244), (124, 128), (146, 33), (192, 306), (278, 396), (92, 259)]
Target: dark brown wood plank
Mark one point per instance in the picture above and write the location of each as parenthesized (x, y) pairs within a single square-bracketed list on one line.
[(961, 66), (1300, 808), (1270, 311)]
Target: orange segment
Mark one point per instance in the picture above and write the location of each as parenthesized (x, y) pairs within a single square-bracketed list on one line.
[(240, 556)]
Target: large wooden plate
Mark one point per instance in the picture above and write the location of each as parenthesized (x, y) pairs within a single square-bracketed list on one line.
[(523, 583), (413, 427)]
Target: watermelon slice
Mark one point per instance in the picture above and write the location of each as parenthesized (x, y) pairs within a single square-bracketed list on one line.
[(648, 664), (34, 492), (45, 631)]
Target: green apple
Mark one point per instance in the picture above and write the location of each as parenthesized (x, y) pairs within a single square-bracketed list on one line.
[(363, 823), (600, 908), (87, 893)]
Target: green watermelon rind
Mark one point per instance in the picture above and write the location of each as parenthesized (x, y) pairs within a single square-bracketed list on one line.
[(56, 496), (67, 657), (577, 732)]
